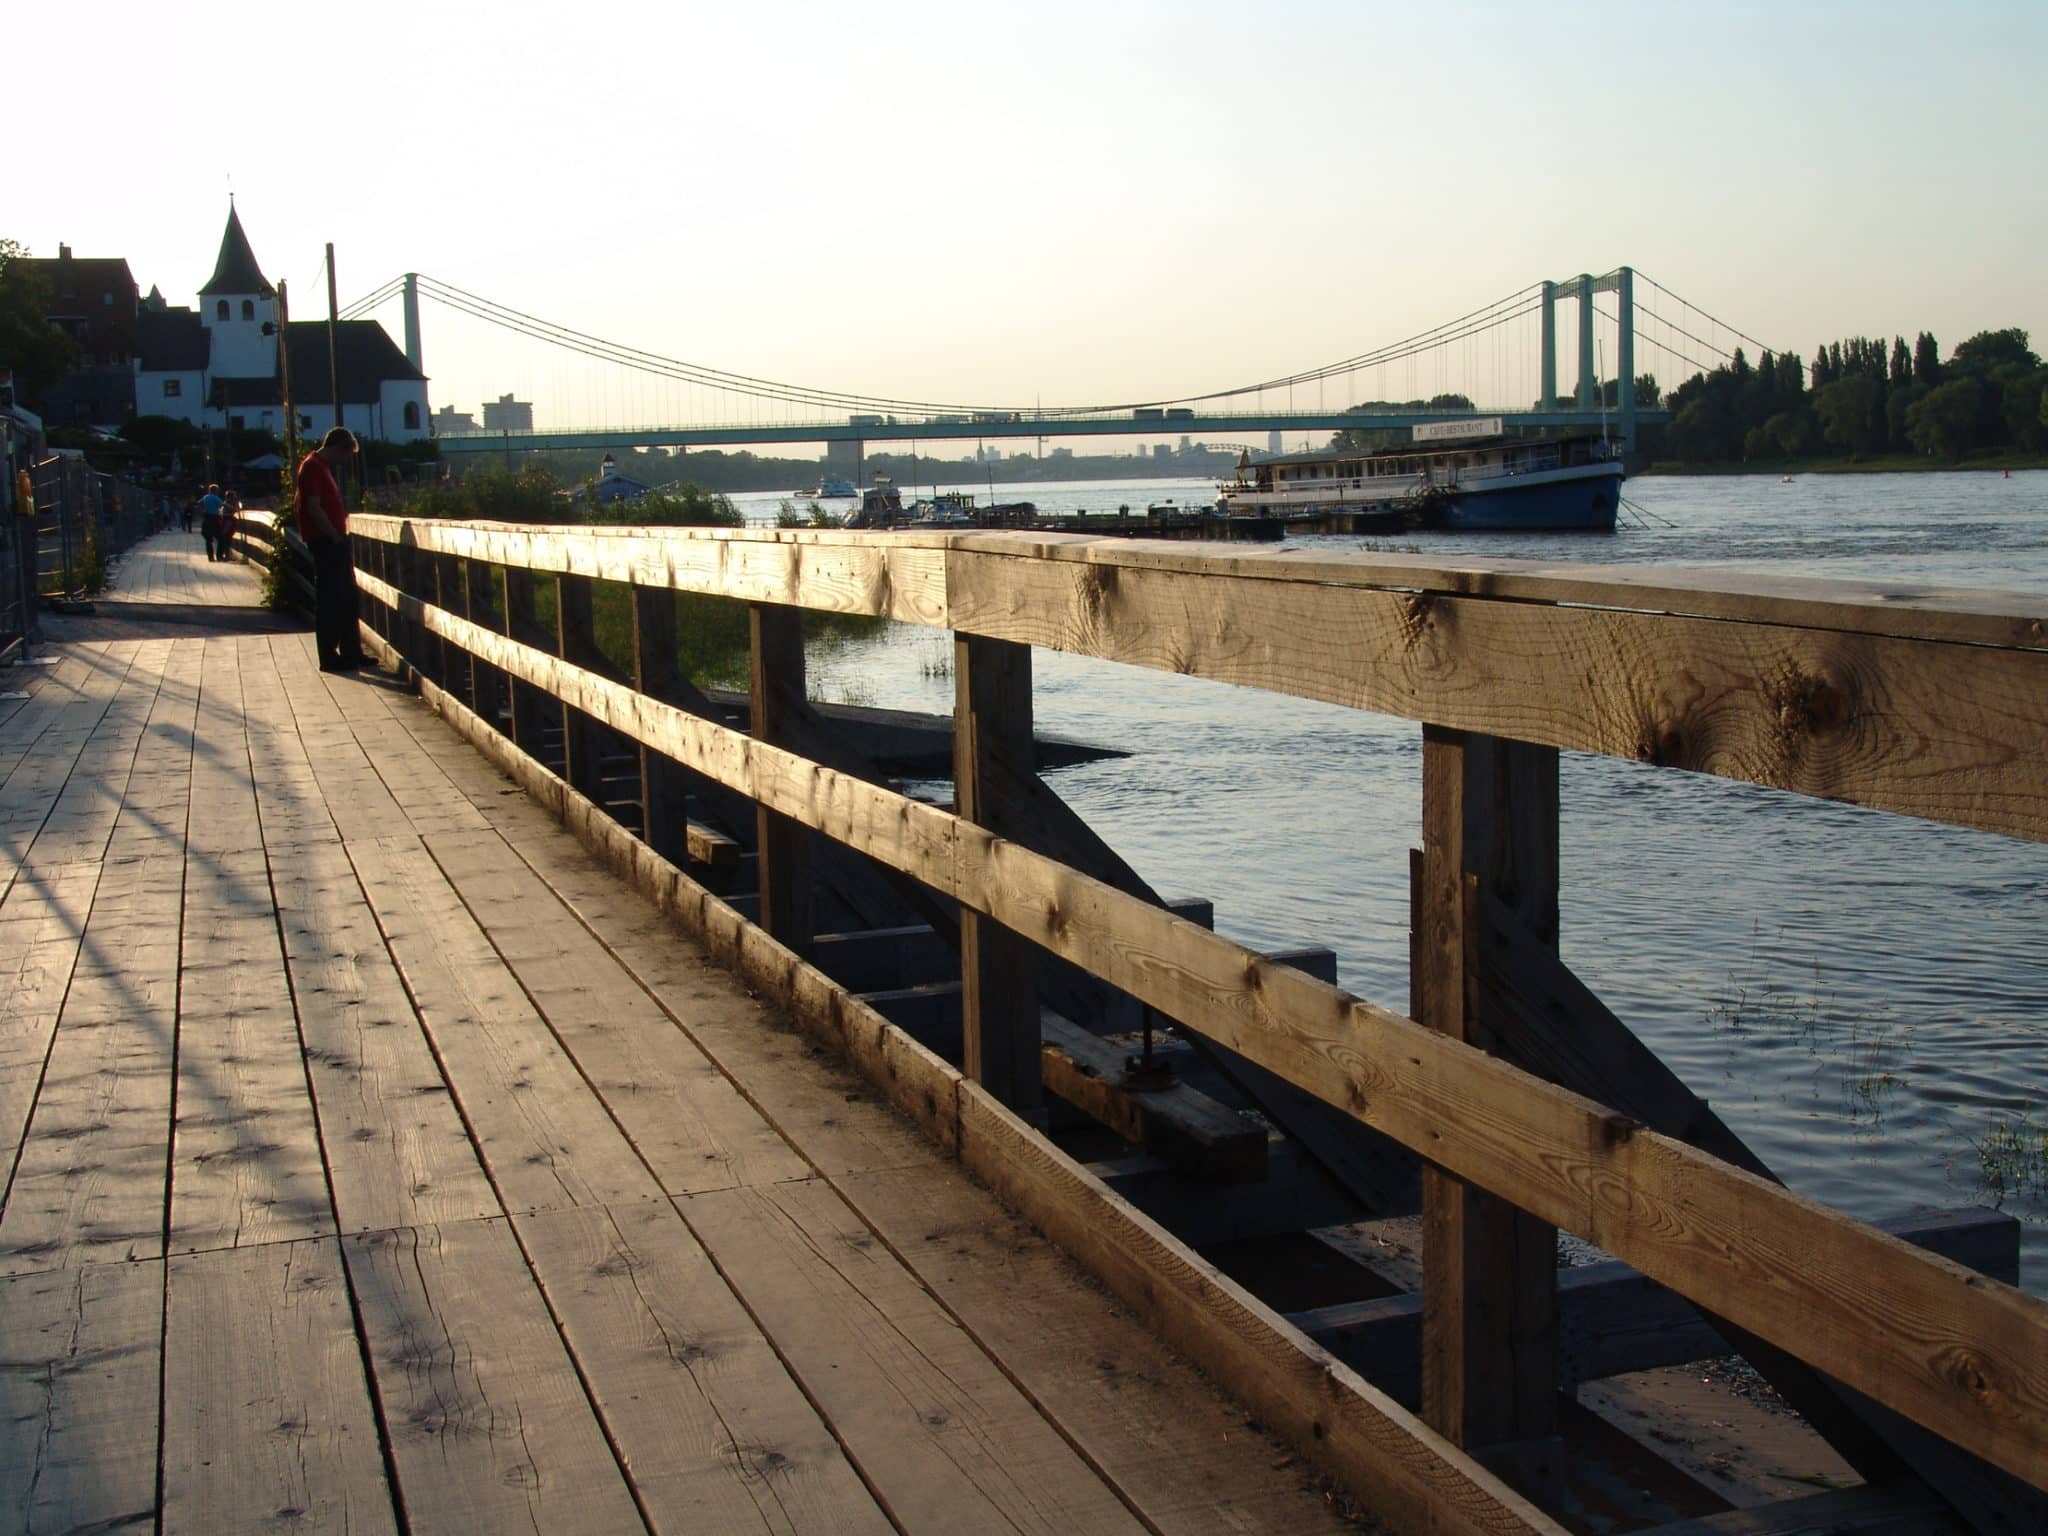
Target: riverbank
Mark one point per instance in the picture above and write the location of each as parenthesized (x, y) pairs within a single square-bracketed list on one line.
[(1988, 462)]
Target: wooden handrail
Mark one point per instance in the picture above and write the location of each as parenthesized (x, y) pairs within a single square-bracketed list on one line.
[(1931, 704)]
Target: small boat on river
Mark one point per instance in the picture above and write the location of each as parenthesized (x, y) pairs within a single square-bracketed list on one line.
[(832, 488), (1491, 483)]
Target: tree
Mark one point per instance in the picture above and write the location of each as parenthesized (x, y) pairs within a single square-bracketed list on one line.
[(1926, 360), (38, 353), (1987, 351), (1944, 421), (1789, 432), (1902, 363), (1897, 403), (1851, 412)]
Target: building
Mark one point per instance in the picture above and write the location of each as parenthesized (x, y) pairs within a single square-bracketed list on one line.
[(217, 365), (449, 422), (92, 300), (508, 415)]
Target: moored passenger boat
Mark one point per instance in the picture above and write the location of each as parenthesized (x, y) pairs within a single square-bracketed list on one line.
[(1488, 483)]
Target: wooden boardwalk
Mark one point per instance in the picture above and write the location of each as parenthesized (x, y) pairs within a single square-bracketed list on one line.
[(373, 1160)]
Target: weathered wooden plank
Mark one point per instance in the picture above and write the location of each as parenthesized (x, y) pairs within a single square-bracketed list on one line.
[(80, 1351), (583, 744), (818, 573), (1685, 1218), (1946, 731), (42, 925), (1179, 1123), (397, 1153), (1412, 1477), (89, 1185), (683, 1116), (1908, 610), (900, 575), (81, 818), (992, 735), (545, 1140), (1489, 1271), (246, 1166), (1864, 1511), (270, 1420), (713, 1433), (489, 1426), (1612, 1321), (777, 690), (1174, 1447), (944, 1439)]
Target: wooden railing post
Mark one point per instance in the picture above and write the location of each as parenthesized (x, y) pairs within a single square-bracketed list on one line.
[(664, 786), (776, 691), (999, 999), (452, 594), (531, 708), (576, 641), (1489, 1270), (408, 636), (482, 606)]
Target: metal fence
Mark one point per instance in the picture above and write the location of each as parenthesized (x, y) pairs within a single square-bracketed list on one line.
[(83, 520)]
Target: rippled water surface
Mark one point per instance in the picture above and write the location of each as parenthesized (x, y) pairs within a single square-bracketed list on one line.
[(1863, 997)]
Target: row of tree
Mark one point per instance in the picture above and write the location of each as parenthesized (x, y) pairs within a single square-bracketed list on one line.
[(1860, 398)]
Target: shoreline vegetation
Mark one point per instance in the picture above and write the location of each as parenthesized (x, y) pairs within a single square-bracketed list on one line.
[(1987, 461)]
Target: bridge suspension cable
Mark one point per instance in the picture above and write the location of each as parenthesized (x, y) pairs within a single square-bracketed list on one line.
[(1451, 343)]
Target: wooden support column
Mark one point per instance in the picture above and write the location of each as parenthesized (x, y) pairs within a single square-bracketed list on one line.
[(1489, 1339), (583, 739), (376, 558), (414, 580), (451, 593), (776, 692), (664, 786), (483, 606), (530, 707), (992, 743)]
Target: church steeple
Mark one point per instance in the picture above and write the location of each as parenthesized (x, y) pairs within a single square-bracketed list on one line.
[(236, 271)]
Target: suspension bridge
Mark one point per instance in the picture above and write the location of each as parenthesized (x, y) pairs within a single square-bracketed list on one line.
[(1501, 360)]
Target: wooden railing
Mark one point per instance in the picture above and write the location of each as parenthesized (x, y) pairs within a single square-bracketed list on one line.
[(1932, 704)]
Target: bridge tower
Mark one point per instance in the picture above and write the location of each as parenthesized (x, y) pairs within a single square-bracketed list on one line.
[(1621, 282), (412, 320)]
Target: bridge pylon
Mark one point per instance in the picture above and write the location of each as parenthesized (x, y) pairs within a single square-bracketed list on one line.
[(1621, 283)]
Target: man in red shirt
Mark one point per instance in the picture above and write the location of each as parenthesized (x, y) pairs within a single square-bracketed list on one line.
[(323, 524)]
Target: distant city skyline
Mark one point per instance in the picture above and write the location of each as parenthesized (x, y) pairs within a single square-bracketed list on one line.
[(1124, 202)]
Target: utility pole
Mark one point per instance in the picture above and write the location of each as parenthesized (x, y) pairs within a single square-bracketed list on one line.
[(333, 374), (284, 384)]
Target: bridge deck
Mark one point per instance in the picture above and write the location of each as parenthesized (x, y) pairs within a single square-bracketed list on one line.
[(373, 1158)]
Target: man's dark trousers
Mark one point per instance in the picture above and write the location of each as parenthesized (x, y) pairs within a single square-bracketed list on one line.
[(334, 607)]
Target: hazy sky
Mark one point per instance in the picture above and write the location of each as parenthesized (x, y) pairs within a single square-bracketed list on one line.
[(1115, 200)]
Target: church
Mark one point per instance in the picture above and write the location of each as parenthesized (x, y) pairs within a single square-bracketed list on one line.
[(217, 365)]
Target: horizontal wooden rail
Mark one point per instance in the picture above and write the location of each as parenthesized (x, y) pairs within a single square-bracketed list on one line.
[(1923, 703), (1960, 1354)]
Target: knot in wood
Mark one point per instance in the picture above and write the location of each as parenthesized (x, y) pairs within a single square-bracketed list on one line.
[(1806, 703), (1416, 615), (1098, 589), (1661, 744), (1616, 1129)]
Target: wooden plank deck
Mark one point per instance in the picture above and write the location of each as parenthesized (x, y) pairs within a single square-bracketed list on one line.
[(373, 1160)]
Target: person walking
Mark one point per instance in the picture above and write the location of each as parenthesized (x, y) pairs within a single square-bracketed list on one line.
[(209, 519), (323, 524), (224, 536)]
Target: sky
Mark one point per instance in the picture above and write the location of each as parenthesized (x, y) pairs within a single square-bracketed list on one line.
[(1125, 200)]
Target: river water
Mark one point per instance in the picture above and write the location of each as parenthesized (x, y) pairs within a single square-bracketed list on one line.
[(1863, 997)]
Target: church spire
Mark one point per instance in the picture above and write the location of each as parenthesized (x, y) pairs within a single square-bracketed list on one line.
[(236, 270)]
